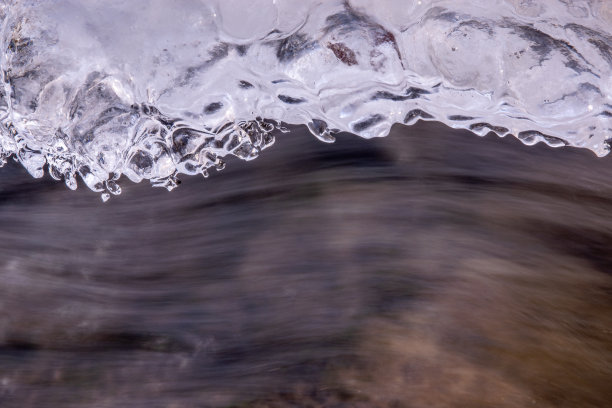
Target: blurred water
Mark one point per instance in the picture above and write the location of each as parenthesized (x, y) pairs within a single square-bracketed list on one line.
[(431, 268)]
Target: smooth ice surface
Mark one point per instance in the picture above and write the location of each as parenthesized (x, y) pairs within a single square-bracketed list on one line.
[(151, 89)]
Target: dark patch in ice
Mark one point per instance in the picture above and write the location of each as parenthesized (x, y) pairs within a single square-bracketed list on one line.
[(368, 123), (343, 53), (602, 42), (245, 84), (478, 25), (497, 129), (460, 118), (294, 46), (213, 107), (442, 14), (411, 93), (532, 136), (242, 49), (290, 100), (389, 96), (416, 114), (217, 53), (544, 44), (351, 20)]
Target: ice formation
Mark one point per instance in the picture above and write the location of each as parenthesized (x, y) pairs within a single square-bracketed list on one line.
[(151, 89)]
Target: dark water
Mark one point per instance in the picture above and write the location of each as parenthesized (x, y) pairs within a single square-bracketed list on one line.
[(428, 269)]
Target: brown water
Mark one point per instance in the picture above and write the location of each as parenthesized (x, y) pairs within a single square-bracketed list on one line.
[(428, 269)]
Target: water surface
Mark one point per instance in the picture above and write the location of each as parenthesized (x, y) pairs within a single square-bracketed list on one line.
[(431, 268)]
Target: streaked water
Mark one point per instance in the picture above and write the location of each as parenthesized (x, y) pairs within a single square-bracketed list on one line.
[(431, 268)]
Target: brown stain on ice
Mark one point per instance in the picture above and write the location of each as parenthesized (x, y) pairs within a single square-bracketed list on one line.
[(343, 53)]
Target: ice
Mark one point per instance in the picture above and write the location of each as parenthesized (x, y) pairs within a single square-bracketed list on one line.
[(150, 89)]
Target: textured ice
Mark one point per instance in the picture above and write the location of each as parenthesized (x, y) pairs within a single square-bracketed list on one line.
[(151, 89)]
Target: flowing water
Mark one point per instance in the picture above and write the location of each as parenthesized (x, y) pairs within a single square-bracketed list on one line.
[(431, 268), (427, 268)]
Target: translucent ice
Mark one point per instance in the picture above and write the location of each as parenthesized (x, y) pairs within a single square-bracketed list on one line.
[(154, 88)]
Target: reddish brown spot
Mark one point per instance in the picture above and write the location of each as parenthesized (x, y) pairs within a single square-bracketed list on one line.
[(383, 36), (343, 53)]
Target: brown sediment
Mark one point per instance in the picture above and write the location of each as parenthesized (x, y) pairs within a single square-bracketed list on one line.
[(383, 36), (343, 53)]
